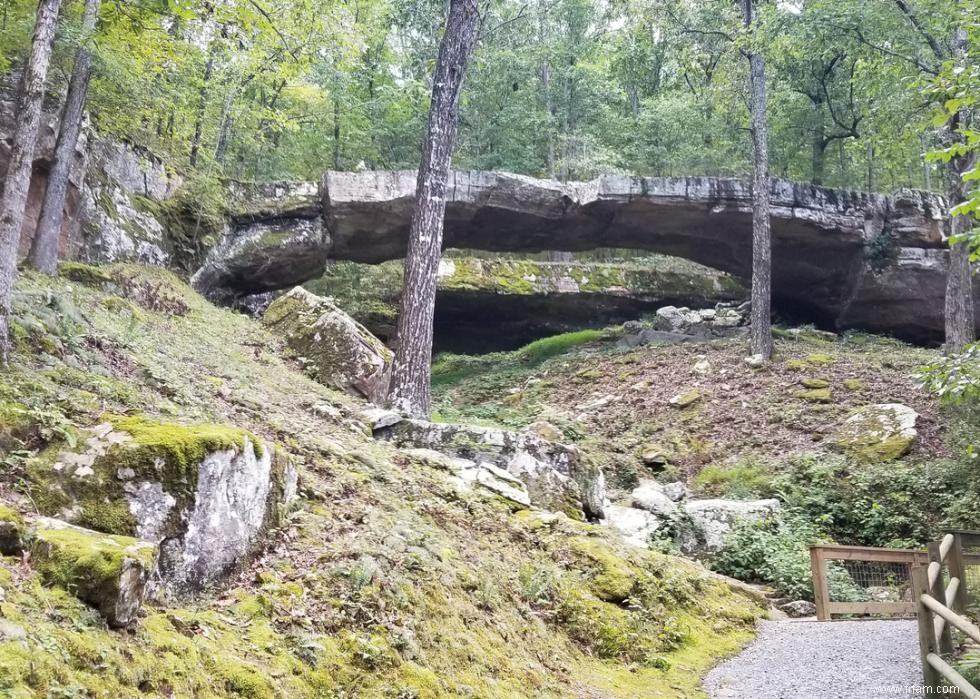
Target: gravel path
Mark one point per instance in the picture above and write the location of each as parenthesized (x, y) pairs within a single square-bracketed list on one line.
[(822, 660)]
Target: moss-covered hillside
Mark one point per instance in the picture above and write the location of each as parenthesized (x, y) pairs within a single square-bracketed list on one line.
[(387, 581), (702, 414)]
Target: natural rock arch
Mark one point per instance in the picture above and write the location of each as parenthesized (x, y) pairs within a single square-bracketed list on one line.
[(846, 259)]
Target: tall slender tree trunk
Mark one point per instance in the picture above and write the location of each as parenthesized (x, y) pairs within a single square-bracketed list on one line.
[(959, 312), (761, 330), (44, 248), (336, 132), (872, 180), (410, 390), (18, 180), (818, 156), (224, 128), (202, 107), (959, 309)]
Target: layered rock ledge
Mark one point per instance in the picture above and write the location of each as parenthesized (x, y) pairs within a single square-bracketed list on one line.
[(845, 259)]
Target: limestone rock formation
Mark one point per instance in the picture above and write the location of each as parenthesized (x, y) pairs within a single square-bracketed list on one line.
[(119, 220), (275, 229), (109, 572), (634, 524), (650, 496), (471, 474), (698, 526), (556, 476), (204, 494), (710, 521), (822, 266), (502, 303), (338, 350), (879, 432)]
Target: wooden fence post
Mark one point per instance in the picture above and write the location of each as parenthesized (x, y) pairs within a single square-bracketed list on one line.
[(927, 632), (938, 591), (957, 569), (821, 593)]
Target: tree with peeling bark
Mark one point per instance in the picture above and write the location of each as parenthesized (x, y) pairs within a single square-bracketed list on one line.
[(18, 180), (44, 247), (410, 389), (761, 328)]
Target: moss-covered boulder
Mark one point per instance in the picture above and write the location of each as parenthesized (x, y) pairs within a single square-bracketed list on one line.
[(556, 476), (879, 432), (338, 350), (204, 493), (108, 572), (686, 398), (11, 531)]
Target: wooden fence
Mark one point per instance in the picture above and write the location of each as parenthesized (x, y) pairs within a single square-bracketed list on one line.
[(877, 564), (940, 594)]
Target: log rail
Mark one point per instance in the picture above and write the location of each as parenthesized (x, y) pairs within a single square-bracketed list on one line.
[(940, 606)]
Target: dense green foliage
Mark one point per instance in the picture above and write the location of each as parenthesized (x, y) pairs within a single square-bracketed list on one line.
[(776, 551), (568, 89)]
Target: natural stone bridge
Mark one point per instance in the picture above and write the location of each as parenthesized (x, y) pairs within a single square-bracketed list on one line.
[(842, 259)]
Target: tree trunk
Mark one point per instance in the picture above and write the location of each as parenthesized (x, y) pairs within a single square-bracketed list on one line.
[(199, 122), (959, 314), (336, 132), (820, 143), (761, 330), (410, 390), (872, 181), (44, 248), (14, 199)]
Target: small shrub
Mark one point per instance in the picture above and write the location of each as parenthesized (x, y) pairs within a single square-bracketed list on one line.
[(897, 504), (955, 378), (741, 481), (777, 551)]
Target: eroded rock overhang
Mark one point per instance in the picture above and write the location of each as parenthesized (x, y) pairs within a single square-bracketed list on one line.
[(845, 259)]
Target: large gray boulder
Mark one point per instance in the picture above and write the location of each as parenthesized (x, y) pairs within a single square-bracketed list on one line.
[(338, 351), (204, 494), (879, 432), (707, 522), (556, 476), (275, 239), (634, 524)]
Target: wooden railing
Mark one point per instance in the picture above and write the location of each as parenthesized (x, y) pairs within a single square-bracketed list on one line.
[(941, 605), (902, 559)]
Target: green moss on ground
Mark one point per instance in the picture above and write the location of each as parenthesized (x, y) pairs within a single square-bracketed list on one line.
[(389, 581)]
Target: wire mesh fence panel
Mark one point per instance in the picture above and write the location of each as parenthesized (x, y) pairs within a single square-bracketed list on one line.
[(869, 581), (864, 581)]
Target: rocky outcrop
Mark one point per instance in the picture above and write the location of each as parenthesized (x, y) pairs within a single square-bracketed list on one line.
[(879, 432), (109, 572), (710, 521), (470, 474), (501, 304), (556, 476), (337, 350), (203, 494), (697, 526), (118, 210), (828, 264), (275, 239)]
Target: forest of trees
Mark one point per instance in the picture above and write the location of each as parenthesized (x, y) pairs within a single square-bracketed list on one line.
[(869, 95), (275, 89)]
